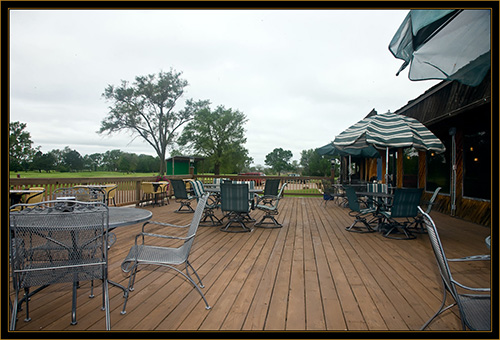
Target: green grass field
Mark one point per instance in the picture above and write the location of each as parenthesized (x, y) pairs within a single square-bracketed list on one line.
[(82, 174)]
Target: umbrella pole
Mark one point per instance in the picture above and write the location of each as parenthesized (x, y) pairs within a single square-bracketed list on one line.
[(387, 166), (349, 170)]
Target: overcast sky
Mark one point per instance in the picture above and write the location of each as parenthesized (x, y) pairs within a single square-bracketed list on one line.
[(300, 76)]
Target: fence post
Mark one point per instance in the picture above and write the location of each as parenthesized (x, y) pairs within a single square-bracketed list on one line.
[(137, 193)]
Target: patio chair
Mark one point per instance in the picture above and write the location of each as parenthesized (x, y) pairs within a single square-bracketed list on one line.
[(402, 211), (152, 248), (235, 205), (212, 203), (269, 205), (164, 188), (34, 197), (331, 192), (475, 309), (360, 214), (418, 225), (271, 189), (181, 196), (110, 193), (80, 193), (151, 193), (56, 242)]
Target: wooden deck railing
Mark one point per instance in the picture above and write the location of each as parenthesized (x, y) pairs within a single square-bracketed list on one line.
[(129, 188)]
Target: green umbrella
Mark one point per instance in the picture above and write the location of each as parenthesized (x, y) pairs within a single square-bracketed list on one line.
[(389, 130), (444, 44), (365, 151)]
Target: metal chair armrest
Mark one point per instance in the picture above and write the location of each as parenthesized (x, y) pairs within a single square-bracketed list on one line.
[(472, 258), (471, 288)]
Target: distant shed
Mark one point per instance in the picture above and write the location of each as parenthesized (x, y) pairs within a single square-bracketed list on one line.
[(183, 165)]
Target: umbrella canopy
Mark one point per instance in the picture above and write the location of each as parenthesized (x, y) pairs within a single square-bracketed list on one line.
[(444, 44), (389, 130), (365, 151)]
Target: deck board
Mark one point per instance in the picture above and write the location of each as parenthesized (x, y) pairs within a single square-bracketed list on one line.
[(310, 275)]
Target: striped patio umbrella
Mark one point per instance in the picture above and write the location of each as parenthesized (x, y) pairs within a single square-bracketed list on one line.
[(389, 130), (365, 151), (445, 44)]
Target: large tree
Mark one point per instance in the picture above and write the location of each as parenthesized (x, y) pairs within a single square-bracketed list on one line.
[(314, 164), (219, 136), (21, 151), (147, 108), (279, 160)]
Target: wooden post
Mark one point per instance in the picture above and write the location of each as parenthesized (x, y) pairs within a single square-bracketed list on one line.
[(400, 168), (421, 169)]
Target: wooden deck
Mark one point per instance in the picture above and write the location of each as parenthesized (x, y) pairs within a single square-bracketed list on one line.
[(310, 275)]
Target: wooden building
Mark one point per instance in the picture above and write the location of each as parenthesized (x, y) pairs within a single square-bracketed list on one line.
[(183, 165), (461, 117)]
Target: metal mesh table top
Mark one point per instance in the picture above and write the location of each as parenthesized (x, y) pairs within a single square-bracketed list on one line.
[(120, 216)]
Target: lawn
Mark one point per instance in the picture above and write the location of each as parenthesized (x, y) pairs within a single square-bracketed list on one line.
[(81, 174)]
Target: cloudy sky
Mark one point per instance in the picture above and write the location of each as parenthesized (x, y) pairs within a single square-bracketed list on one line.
[(300, 76)]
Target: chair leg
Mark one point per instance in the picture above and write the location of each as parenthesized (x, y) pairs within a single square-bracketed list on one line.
[(73, 304), (401, 227), (366, 228), (274, 224), (209, 214), (440, 310), (13, 317), (237, 218)]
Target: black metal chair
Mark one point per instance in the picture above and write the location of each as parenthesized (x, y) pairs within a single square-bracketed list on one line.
[(475, 309), (235, 205), (151, 248), (402, 213), (55, 242), (271, 189), (360, 215), (269, 204), (182, 196)]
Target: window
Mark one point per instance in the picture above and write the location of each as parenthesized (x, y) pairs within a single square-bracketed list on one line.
[(410, 168), (477, 162), (438, 169)]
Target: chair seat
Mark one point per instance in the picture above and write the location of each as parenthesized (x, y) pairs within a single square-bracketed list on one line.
[(265, 207), (154, 255), (477, 311)]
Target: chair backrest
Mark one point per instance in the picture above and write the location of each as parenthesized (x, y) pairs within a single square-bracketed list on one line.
[(234, 197), (198, 188), (111, 191), (271, 187), (198, 213), (59, 241), (352, 198), (405, 202), (432, 200), (179, 188), (35, 197), (80, 193), (376, 187), (438, 250)]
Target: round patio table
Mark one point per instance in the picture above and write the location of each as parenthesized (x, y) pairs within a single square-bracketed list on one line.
[(124, 216)]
